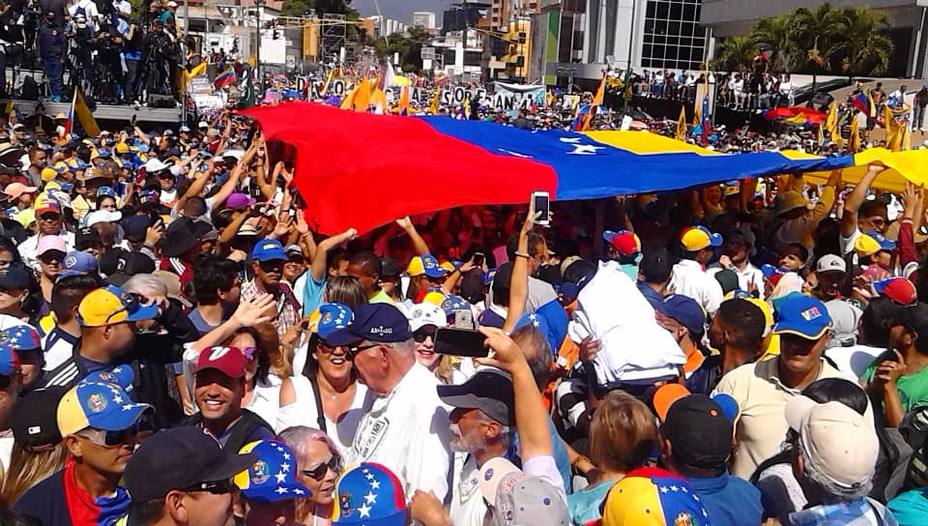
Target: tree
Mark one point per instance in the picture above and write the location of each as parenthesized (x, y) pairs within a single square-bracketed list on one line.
[(301, 7), (861, 44), (813, 37), (736, 53), (409, 47), (775, 33)]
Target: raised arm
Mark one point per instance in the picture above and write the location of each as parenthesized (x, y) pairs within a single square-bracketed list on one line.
[(856, 198), (418, 243)]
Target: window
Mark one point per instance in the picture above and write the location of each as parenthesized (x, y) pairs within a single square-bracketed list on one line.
[(673, 38)]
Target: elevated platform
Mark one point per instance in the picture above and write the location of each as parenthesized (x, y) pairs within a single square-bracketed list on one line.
[(108, 112)]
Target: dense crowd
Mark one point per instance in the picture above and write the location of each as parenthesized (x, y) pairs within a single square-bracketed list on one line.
[(178, 346)]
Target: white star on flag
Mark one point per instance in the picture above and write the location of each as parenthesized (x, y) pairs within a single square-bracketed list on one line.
[(280, 490), (285, 467), (570, 140), (117, 399), (370, 498), (281, 477), (127, 407), (370, 476), (673, 488), (298, 491), (515, 154), (364, 510), (286, 456), (585, 149), (663, 489), (375, 484)]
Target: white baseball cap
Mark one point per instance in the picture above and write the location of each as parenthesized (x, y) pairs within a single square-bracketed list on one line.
[(423, 314), (831, 263), (837, 441)]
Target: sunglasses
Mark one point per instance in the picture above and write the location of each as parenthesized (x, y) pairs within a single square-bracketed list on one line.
[(318, 473), (50, 217), (51, 257), (424, 333), (216, 487), (113, 438), (355, 350)]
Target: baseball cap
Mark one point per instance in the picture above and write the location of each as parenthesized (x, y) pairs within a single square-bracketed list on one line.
[(238, 201), (15, 190), (699, 430), (48, 173), (329, 317), (272, 476), (625, 242), (110, 305), (653, 497), (121, 375), (376, 322), (685, 310), (837, 441), (427, 265), (15, 277), (831, 263), (898, 289), (49, 243), (519, 499), (102, 216), (790, 200), (34, 419), (98, 405), (423, 314), (294, 251), (489, 390), (21, 337), (86, 237), (106, 191), (370, 494), (230, 361), (137, 228), (268, 250), (871, 243), (78, 263), (697, 238), (177, 459), (802, 316), (45, 204), (9, 360), (155, 165), (248, 228)]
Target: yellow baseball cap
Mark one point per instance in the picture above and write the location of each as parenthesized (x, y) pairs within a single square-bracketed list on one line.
[(122, 148), (697, 238), (110, 305), (49, 173)]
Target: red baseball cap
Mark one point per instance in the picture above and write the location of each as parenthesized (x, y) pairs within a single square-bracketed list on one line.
[(228, 360), (625, 242), (898, 289)]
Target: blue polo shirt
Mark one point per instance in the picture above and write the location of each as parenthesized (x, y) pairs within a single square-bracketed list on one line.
[(730, 501)]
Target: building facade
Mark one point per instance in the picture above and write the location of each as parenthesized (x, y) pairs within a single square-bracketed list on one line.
[(423, 19), (726, 18)]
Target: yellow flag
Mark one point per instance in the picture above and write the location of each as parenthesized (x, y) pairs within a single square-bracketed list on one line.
[(404, 100), (893, 135), (80, 110), (348, 101), (433, 108), (600, 92), (362, 96), (831, 124), (328, 80), (681, 125), (854, 138)]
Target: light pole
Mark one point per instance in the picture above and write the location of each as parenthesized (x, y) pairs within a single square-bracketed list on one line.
[(259, 8)]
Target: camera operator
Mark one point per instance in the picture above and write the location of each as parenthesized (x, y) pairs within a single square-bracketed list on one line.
[(11, 43), (131, 34), (108, 74), (80, 50), (159, 59), (51, 50)]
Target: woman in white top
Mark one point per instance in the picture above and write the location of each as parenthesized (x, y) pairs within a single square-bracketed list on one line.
[(268, 364), (318, 465), (326, 395)]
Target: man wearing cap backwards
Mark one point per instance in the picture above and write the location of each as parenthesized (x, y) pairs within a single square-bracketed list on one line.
[(181, 477), (696, 435), (405, 424), (835, 463), (689, 275), (48, 218), (267, 264), (99, 423), (762, 389)]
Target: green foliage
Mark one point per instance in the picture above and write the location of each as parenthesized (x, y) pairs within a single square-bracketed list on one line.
[(301, 7), (736, 53), (408, 45), (851, 41)]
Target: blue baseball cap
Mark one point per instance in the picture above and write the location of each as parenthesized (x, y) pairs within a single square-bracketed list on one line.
[(885, 244), (268, 250), (106, 191), (376, 322), (802, 315), (330, 317), (273, 475), (78, 263), (21, 338), (9, 361), (453, 303), (551, 321), (369, 494), (685, 310), (100, 405), (121, 375), (427, 265)]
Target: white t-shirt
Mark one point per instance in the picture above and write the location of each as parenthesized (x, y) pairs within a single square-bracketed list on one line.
[(304, 412), (408, 431), (468, 507), (265, 400), (690, 280)]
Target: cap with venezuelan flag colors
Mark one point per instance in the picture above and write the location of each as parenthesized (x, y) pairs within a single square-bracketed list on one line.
[(329, 317), (697, 238), (653, 497), (100, 405), (110, 305), (427, 265), (369, 494), (272, 477)]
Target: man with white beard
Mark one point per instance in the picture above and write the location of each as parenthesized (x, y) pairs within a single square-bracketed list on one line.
[(481, 419)]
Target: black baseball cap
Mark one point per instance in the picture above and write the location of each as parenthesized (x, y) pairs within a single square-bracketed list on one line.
[(34, 420), (15, 277), (489, 390), (86, 237), (699, 431), (178, 458), (137, 228), (376, 322)]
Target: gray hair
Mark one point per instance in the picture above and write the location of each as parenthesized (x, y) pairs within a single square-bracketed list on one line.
[(828, 486), (298, 436), (147, 285), (504, 430), (406, 348)]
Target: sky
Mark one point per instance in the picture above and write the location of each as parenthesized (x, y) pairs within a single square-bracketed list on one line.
[(401, 9)]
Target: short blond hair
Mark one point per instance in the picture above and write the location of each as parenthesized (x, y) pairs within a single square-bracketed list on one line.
[(622, 433)]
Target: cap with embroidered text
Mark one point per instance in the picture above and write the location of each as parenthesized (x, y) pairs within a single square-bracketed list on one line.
[(99, 405), (268, 250), (831, 263), (34, 419), (802, 316), (272, 477), (230, 361), (375, 322), (653, 497)]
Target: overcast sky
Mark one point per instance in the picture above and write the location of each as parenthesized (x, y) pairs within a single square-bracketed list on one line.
[(401, 9)]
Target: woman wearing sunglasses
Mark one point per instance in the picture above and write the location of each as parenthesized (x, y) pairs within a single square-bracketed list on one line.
[(318, 467)]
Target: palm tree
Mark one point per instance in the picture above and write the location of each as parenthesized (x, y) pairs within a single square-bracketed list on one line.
[(813, 33), (736, 54), (861, 43), (774, 33)]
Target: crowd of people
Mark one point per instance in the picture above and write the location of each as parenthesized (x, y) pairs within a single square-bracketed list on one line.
[(178, 346)]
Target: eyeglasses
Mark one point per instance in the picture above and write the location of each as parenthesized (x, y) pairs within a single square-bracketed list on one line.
[(216, 487), (355, 350), (318, 473), (424, 333)]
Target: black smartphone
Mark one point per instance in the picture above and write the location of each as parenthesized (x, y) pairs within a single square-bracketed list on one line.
[(479, 258), (542, 204), (461, 342)]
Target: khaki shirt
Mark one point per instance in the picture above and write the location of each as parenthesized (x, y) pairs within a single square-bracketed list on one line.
[(762, 399)]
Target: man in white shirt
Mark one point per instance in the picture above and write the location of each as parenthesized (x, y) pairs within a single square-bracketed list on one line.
[(405, 425), (689, 275), (735, 253)]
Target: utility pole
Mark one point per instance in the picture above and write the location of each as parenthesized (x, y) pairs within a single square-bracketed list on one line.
[(259, 8)]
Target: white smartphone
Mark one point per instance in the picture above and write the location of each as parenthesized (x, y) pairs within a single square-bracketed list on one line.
[(542, 202)]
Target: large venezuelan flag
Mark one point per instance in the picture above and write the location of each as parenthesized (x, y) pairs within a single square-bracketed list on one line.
[(361, 170)]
